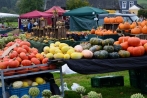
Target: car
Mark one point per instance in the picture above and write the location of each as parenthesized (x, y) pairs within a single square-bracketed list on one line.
[(127, 17)]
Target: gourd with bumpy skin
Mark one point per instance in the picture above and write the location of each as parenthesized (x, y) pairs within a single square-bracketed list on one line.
[(101, 54), (113, 55), (17, 84), (95, 48), (81, 90), (34, 91), (96, 41), (46, 93), (93, 94), (109, 48), (25, 96), (108, 41), (14, 96), (137, 95), (56, 96), (117, 48)]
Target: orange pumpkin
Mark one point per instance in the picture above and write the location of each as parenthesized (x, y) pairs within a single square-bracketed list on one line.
[(136, 30), (124, 45), (133, 41), (126, 25), (136, 51), (26, 63), (144, 29), (92, 31), (123, 39), (106, 20), (35, 61)]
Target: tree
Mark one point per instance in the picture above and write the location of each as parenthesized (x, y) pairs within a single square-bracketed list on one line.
[(30, 5), (4, 10), (72, 4)]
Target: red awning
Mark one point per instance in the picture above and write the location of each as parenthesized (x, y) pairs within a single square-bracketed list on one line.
[(35, 14), (57, 8)]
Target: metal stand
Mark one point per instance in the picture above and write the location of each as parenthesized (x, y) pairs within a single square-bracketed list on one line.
[(26, 74)]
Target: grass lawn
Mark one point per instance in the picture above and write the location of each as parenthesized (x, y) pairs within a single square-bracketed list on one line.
[(107, 92)]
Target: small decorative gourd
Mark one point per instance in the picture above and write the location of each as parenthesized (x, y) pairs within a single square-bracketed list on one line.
[(81, 90), (137, 95), (46, 93), (93, 94), (34, 91), (56, 96), (14, 96), (25, 96)]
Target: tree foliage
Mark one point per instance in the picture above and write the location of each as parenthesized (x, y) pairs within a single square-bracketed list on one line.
[(30, 5), (72, 4)]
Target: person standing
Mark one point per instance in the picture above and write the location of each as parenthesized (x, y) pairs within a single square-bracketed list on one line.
[(29, 27)]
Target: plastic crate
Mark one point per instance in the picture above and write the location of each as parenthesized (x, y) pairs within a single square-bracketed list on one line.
[(22, 91), (107, 81)]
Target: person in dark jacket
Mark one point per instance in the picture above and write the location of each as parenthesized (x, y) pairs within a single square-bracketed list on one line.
[(29, 26)]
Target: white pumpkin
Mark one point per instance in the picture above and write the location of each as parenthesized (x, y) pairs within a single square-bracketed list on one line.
[(17, 84)]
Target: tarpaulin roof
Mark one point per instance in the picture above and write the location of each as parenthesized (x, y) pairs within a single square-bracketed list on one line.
[(85, 11), (35, 14), (57, 8), (8, 15)]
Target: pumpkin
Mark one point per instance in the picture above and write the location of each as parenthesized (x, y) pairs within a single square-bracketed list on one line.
[(101, 54), (108, 48), (46, 67), (136, 30), (106, 20), (123, 39), (136, 51), (116, 43), (10, 44), (13, 54), (23, 56), (22, 71), (24, 43), (13, 63), (126, 25), (143, 41), (95, 48), (35, 69), (39, 56), (35, 61), (117, 48), (45, 61), (112, 20), (113, 55), (145, 47), (31, 55), (26, 48), (52, 66), (121, 26), (95, 41), (26, 62), (133, 41), (119, 19), (144, 29), (3, 64), (87, 54), (108, 41), (124, 54), (17, 84), (20, 49), (124, 45), (9, 73), (92, 31), (78, 48)]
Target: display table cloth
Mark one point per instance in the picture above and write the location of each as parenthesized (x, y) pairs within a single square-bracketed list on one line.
[(94, 66)]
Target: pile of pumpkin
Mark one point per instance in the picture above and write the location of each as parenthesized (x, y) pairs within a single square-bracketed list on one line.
[(134, 28), (102, 49), (112, 20), (135, 45), (101, 32), (22, 55)]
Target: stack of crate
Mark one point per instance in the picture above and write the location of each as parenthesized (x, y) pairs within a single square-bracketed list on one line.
[(138, 79)]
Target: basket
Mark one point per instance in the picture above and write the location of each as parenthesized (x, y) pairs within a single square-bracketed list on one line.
[(22, 91)]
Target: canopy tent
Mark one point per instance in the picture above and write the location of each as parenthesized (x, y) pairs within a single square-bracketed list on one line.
[(57, 8), (85, 11), (134, 9), (84, 18), (8, 15), (35, 14)]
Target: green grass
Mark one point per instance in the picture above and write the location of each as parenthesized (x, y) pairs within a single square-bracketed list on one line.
[(108, 92)]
